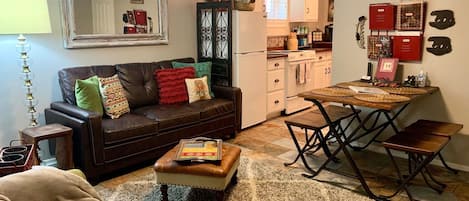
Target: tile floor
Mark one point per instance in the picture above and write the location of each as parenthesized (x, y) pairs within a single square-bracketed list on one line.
[(272, 138)]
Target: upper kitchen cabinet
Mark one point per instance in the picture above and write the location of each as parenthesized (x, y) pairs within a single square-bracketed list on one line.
[(304, 10)]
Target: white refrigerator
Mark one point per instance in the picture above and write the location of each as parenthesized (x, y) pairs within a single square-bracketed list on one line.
[(249, 65)]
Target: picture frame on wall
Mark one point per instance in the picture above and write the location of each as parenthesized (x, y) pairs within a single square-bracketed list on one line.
[(386, 69), (330, 11)]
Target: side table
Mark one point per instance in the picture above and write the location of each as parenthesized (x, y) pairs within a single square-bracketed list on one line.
[(64, 144)]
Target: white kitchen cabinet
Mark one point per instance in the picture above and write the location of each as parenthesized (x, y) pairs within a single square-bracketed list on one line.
[(304, 10), (322, 69), (275, 86)]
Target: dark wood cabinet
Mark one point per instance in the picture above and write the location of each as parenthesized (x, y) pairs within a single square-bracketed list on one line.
[(214, 39)]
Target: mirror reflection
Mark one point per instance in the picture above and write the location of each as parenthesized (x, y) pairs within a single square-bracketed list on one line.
[(115, 16), (104, 23)]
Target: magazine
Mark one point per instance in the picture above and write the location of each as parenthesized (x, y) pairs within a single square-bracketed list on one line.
[(199, 149)]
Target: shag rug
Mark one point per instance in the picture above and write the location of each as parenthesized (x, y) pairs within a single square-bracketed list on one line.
[(260, 177)]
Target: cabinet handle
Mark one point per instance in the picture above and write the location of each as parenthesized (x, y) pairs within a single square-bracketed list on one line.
[(329, 70), (276, 64), (307, 10), (276, 101), (276, 80), (320, 57)]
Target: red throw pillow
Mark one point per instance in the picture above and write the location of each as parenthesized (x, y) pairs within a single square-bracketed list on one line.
[(171, 84)]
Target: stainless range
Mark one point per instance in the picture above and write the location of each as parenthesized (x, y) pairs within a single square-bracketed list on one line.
[(298, 78)]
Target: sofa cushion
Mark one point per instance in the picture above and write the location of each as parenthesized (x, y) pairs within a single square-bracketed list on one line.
[(128, 126), (212, 108), (114, 101), (87, 94), (171, 85), (201, 69), (170, 116), (139, 83), (197, 89), (68, 77)]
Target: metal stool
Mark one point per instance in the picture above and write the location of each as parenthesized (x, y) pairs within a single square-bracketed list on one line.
[(429, 127), (315, 121), (421, 150)]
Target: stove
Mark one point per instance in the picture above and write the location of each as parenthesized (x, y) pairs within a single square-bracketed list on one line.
[(299, 77)]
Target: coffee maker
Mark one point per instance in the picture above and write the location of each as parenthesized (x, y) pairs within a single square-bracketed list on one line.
[(328, 32)]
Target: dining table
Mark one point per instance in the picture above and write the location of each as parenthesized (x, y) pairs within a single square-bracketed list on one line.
[(383, 110)]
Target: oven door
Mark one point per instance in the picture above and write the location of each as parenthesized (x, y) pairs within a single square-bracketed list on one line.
[(299, 77)]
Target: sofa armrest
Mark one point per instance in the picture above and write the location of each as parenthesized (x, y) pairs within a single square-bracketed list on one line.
[(75, 111), (234, 94), (87, 129)]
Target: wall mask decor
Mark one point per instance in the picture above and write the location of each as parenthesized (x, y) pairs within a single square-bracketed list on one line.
[(443, 20), (441, 45)]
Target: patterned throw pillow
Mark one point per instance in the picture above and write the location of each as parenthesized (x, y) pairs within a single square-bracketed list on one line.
[(197, 89), (113, 97), (201, 69), (87, 94), (171, 86)]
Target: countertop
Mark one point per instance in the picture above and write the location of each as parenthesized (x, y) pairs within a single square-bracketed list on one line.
[(272, 56)]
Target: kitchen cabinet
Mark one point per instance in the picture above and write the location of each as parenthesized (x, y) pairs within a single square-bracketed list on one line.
[(304, 10), (275, 85), (322, 69)]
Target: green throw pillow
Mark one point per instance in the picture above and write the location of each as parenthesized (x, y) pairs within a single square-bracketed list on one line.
[(87, 94), (201, 69)]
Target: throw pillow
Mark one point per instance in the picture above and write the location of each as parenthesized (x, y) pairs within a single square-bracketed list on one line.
[(197, 89), (113, 97), (87, 94), (201, 69), (171, 86)]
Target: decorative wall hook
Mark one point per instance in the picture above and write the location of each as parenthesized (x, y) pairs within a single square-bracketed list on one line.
[(441, 45), (360, 32), (444, 19)]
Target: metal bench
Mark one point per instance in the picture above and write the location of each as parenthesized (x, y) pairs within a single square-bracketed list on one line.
[(428, 127), (421, 150), (314, 120)]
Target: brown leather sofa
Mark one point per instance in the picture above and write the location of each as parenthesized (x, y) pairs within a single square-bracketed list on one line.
[(103, 145)]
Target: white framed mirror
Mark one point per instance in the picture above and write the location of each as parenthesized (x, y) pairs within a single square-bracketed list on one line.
[(108, 23)]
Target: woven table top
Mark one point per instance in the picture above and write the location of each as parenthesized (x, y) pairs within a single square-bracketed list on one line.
[(381, 98), (339, 92), (404, 90)]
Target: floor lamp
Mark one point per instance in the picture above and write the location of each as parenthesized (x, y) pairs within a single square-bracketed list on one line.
[(25, 17)]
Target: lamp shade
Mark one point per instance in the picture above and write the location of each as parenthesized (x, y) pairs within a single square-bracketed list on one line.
[(24, 17)]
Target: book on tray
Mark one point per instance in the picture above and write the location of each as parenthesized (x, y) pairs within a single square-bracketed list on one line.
[(200, 149)]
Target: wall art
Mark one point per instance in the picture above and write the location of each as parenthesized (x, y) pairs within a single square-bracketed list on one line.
[(441, 45), (443, 20)]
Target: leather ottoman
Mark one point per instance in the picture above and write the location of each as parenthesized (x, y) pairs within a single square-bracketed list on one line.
[(198, 175)]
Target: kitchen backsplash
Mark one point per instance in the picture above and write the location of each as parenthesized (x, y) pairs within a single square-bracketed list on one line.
[(276, 42)]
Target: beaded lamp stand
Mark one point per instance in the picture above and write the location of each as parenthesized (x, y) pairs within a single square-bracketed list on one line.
[(23, 47)]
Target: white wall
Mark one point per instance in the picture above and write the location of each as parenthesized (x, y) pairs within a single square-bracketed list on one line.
[(449, 72), (49, 56)]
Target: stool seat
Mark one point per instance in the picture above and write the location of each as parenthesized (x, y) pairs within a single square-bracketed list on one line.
[(420, 144), (63, 136), (214, 176), (167, 163), (314, 120), (434, 127)]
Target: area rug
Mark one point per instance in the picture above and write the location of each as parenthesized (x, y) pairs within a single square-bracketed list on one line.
[(260, 177)]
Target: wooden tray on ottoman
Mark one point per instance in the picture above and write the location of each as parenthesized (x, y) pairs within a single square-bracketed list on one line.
[(25, 164)]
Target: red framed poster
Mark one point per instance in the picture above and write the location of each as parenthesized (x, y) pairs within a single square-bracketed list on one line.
[(387, 68)]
